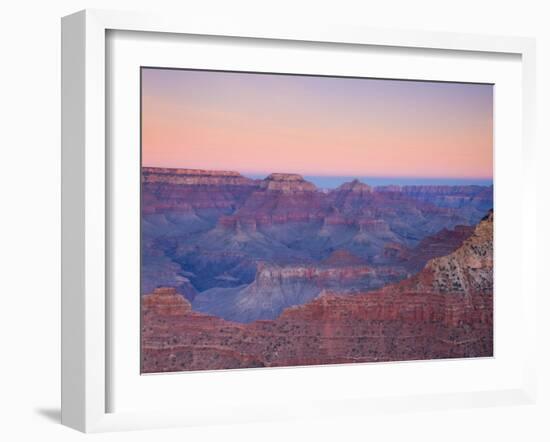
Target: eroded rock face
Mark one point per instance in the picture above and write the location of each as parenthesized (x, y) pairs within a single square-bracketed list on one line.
[(282, 198), (188, 190), (204, 233), (165, 301), (194, 177), (470, 268), (355, 187), (423, 317), (278, 287), (453, 289), (440, 244), (480, 197), (287, 183)]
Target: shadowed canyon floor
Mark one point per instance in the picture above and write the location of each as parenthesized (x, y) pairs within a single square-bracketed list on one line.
[(256, 273)]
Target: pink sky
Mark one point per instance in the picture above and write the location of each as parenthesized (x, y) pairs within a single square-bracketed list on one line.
[(262, 123)]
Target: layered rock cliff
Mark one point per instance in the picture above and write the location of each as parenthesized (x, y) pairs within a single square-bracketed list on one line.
[(479, 197), (188, 190), (444, 311), (452, 289), (287, 183), (281, 199), (207, 230), (194, 177), (439, 244), (277, 287), (165, 301)]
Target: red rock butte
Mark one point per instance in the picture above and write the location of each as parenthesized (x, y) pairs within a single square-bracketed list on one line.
[(287, 183)]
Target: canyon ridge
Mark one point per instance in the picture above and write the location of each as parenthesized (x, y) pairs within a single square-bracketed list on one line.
[(239, 272)]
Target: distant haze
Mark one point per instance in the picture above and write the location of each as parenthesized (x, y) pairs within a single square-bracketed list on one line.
[(331, 182), (326, 128)]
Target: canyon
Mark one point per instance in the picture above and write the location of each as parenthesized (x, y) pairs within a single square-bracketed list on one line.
[(245, 249), (443, 311)]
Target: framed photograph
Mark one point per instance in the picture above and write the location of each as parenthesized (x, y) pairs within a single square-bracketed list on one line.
[(270, 223)]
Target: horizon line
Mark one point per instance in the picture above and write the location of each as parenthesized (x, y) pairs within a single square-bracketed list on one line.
[(335, 175)]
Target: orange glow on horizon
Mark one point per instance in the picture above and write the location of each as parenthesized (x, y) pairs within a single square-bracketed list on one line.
[(256, 132)]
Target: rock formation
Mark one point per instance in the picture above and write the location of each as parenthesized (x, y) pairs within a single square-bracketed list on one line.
[(474, 196), (439, 244), (207, 233), (186, 190), (444, 311), (277, 287), (165, 301), (194, 177), (287, 183)]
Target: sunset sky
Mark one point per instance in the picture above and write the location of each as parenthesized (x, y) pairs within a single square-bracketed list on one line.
[(317, 126)]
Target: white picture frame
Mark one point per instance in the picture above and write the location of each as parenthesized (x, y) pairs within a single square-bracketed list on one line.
[(85, 202)]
